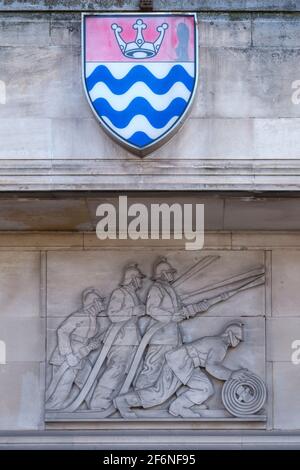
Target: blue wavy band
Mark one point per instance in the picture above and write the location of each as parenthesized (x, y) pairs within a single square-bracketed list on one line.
[(157, 119), (140, 73), (140, 139)]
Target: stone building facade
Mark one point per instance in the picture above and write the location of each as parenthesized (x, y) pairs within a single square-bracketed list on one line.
[(237, 153)]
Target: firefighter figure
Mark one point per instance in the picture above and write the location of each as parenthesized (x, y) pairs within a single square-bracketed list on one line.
[(124, 307), (164, 307), (76, 338), (185, 373)]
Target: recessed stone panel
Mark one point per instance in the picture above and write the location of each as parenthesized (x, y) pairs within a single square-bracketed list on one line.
[(141, 334)]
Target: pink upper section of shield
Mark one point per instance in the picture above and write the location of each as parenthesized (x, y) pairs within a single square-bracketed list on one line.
[(102, 46)]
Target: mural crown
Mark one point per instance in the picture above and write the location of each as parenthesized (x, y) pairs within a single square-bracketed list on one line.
[(139, 49)]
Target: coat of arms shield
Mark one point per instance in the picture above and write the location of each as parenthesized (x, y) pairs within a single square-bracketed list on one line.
[(140, 74)]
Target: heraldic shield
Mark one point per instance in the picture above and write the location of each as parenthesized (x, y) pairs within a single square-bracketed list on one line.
[(140, 75)]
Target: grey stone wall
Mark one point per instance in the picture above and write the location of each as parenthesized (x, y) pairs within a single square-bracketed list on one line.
[(42, 275), (244, 124), (242, 134)]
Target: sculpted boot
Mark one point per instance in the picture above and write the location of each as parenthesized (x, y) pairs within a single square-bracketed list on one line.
[(182, 407), (124, 402), (101, 400)]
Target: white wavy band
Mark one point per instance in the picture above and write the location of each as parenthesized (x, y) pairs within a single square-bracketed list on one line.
[(140, 90), (140, 123), (159, 70)]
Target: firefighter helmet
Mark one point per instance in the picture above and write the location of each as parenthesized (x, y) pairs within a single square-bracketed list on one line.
[(90, 295), (131, 272), (236, 329), (163, 266)]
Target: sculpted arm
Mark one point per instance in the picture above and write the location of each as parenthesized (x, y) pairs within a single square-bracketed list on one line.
[(214, 364), (117, 309), (63, 335), (192, 310), (153, 306)]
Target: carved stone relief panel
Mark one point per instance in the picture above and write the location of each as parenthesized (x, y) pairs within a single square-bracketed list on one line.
[(146, 335)]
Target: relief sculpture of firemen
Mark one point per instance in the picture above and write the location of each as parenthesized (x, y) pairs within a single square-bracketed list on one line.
[(123, 356)]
